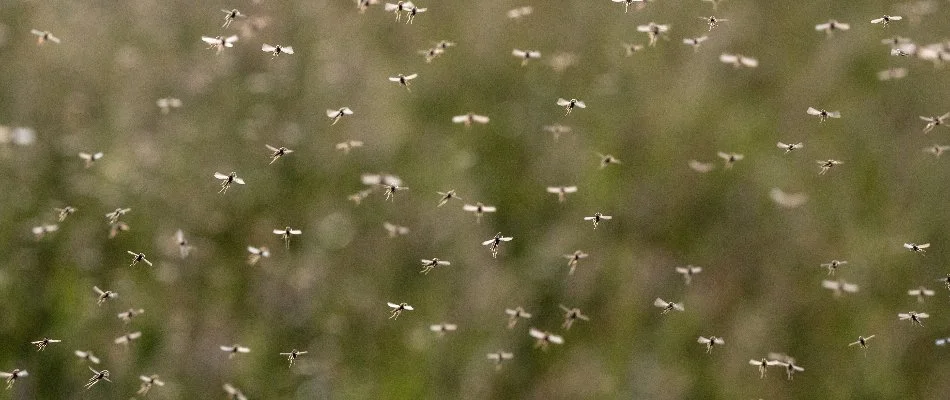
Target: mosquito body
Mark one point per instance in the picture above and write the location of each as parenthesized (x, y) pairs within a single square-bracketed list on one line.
[(790, 368), (917, 248), (730, 158), (526, 55), (87, 356), (103, 295), (390, 189), (183, 247), (544, 338), (920, 293), (234, 350), (827, 165), (822, 114), (469, 119), (428, 265), (886, 19), (115, 215), (228, 180), (277, 152), (286, 233), (218, 43), (495, 242), (914, 317), (571, 315), (569, 105), (256, 254), (833, 265), (403, 80), (293, 355), (128, 338), (230, 16), (597, 218), (499, 357), (933, 122), (653, 31), (789, 147), (738, 60), (668, 306), (831, 26), (446, 196), (710, 342), (479, 209), (862, 342), (398, 309), (64, 212), (126, 316), (136, 257), (96, 377), (148, 382), (90, 158), (574, 259), (44, 36), (713, 21), (688, 272), (515, 314), (335, 115)]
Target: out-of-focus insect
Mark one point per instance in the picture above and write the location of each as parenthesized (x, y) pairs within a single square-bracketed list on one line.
[(230, 16), (403, 79), (630, 48), (442, 329), (276, 50), (286, 233), (127, 338), (136, 257), (695, 42), (431, 54), (398, 309), (738, 60), (87, 355), (788, 200), (97, 376), (519, 12), (234, 349), (362, 5), (700, 166), (115, 215), (920, 293), (411, 14), (359, 196), (41, 344), (607, 159), (713, 21), (64, 212), (348, 145), (668, 306), (526, 55), (12, 376), (833, 266), (896, 41), (544, 338), (446, 196), (710, 342), (917, 248), (569, 105), (936, 149), (495, 242), (653, 30), (444, 44), (219, 42), (574, 259), (228, 180), (428, 265), (763, 364), (839, 287), (730, 158), (44, 36), (688, 272), (790, 368), (103, 295), (562, 191), (827, 165), (945, 280), (933, 122), (789, 147), (90, 159), (277, 152), (557, 130), (256, 254), (885, 19), (117, 227), (40, 231), (715, 3), (515, 314), (479, 209), (126, 316), (892, 73), (901, 52), (597, 217), (914, 317), (335, 115), (233, 393), (398, 8), (822, 114), (499, 357), (183, 247), (831, 26), (942, 341), (292, 356), (571, 315), (166, 104), (469, 119), (148, 382), (626, 4)]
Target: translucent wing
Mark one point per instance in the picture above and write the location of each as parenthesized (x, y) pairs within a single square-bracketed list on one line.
[(268, 48), (518, 53), (412, 76), (489, 209), (408, 307), (458, 119), (923, 246), (209, 40), (659, 302), (488, 242), (221, 176), (555, 339), (877, 20), (536, 333), (505, 239), (481, 119), (749, 62), (563, 102), (728, 58), (288, 50), (391, 305), (703, 340), (570, 189), (834, 114), (812, 111)]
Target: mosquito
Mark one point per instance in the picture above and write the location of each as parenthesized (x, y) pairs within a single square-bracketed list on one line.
[(256, 254), (668, 306), (789, 147), (276, 50), (103, 295), (90, 159), (127, 338), (629, 49), (519, 12), (515, 314), (570, 104), (292, 356), (862, 342), (469, 119), (398, 309), (403, 79), (286, 233), (597, 218), (713, 21), (442, 329), (695, 42), (428, 265), (136, 257), (571, 315), (40, 231), (148, 382), (933, 122), (230, 16), (574, 259), (886, 18), (831, 26), (228, 180), (117, 227), (183, 247), (763, 364), (348, 145), (411, 14), (114, 216), (899, 52), (607, 159), (494, 242), (87, 355), (526, 55), (277, 152), (920, 293), (335, 115), (833, 265), (937, 150), (44, 36), (738, 60), (557, 130), (730, 158), (219, 42), (166, 104), (12, 376), (233, 393), (788, 200), (126, 316), (390, 190), (945, 280), (499, 357), (710, 342), (688, 272), (827, 165), (822, 114), (41, 344), (839, 287), (64, 212), (479, 209), (96, 377), (790, 368), (446, 196), (627, 3), (562, 191), (431, 54), (653, 30), (892, 73), (701, 167), (233, 350), (917, 248), (913, 316), (544, 338), (942, 341)]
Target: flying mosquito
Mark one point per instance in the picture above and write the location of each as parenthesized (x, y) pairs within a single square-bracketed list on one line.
[(362, 5), (403, 80), (117, 227), (862, 342), (41, 344), (256, 254), (917, 248), (87, 355), (688, 272), (788, 200), (127, 338), (44, 36), (431, 54), (695, 41), (713, 21), (335, 115), (914, 317), (526, 55), (395, 230), (597, 218), (557, 130), (629, 48), (738, 60), (627, 3), (230, 16), (763, 364), (933, 122), (183, 248), (495, 242), (499, 358), (233, 393), (276, 50), (700, 166), (827, 165), (571, 315), (40, 231), (390, 189), (103, 295), (562, 191), (607, 159), (730, 158), (148, 382), (126, 316), (292, 356), (653, 30), (569, 105), (90, 158), (136, 257), (115, 215), (789, 147), (12, 376), (234, 350), (413, 12), (469, 119), (446, 196), (97, 376), (544, 338), (790, 368), (831, 26), (891, 74), (515, 314), (348, 145), (166, 104), (710, 342), (64, 212), (945, 280), (886, 19), (937, 150), (286, 233), (479, 209), (574, 259), (219, 42), (833, 265), (839, 287), (277, 152), (398, 309), (920, 293), (428, 265), (668, 306), (822, 114), (442, 329), (398, 8), (228, 180), (519, 12)]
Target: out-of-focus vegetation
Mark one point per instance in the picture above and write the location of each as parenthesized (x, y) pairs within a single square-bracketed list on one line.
[(760, 289)]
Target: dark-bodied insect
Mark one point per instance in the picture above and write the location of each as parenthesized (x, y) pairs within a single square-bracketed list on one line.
[(398, 8), (730, 158), (738, 60), (431, 54), (219, 43), (695, 42), (839, 287), (126, 316), (442, 329), (148, 382), (526, 55), (256, 254), (411, 14), (12, 376), (569, 105), (710, 342), (228, 180), (403, 79), (103, 295), (348, 145), (495, 242), (937, 150), (479, 209), (444, 44), (335, 115), (469, 119), (515, 314), (277, 152), (136, 257), (917, 248), (914, 317), (40, 231), (97, 376), (571, 315), (885, 19), (831, 26), (276, 50), (362, 5), (557, 130), (286, 233), (398, 309), (789, 147), (234, 350), (630, 48), (41, 344), (597, 217), (90, 159), (945, 280), (862, 342), (574, 259), (607, 159), (544, 338), (562, 191), (499, 357), (128, 338), (166, 104), (446, 196), (668, 306), (87, 355), (44, 36), (230, 16), (183, 247), (920, 293), (822, 114), (713, 21), (688, 272), (653, 30), (833, 265), (390, 189), (233, 393), (627, 3), (292, 356), (790, 368), (763, 364), (700, 166), (827, 165), (428, 265), (64, 212), (933, 122), (115, 215)]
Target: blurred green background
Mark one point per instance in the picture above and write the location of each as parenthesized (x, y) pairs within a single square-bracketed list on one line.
[(760, 290)]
